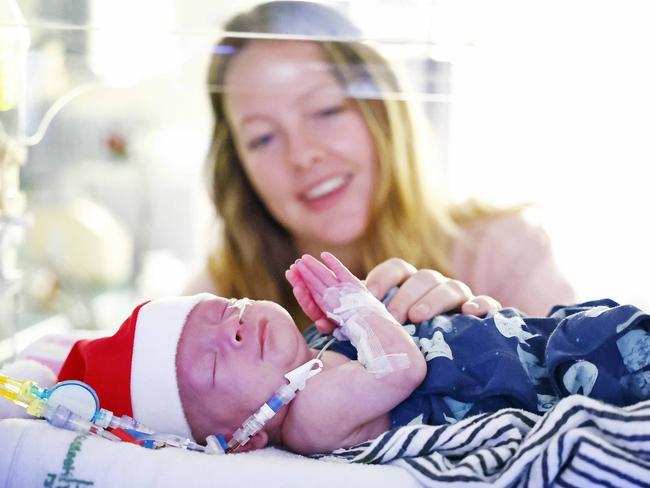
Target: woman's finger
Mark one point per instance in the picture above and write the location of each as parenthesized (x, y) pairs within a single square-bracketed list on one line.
[(448, 296), (411, 292), (481, 305), (388, 274)]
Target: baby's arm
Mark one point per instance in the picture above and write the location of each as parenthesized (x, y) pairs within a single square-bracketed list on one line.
[(345, 404)]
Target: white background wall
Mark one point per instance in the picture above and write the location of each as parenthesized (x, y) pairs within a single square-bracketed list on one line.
[(552, 104)]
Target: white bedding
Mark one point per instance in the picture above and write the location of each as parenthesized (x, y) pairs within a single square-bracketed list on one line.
[(579, 442), (33, 453)]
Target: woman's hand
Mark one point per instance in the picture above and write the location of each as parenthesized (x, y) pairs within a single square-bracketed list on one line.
[(424, 293), (310, 279)]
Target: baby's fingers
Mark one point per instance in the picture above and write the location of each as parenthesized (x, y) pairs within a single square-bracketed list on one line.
[(338, 268), (318, 271), (292, 277), (304, 297), (312, 283), (325, 326)]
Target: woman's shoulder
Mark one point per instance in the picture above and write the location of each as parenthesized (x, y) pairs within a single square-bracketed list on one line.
[(505, 232), (511, 258)]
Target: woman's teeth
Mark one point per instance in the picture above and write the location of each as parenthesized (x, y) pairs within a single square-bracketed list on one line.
[(328, 186)]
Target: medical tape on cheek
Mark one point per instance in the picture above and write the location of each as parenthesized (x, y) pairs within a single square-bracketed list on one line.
[(353, 308)]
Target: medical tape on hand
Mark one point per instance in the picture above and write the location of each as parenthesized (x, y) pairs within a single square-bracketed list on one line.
[(353, 309)]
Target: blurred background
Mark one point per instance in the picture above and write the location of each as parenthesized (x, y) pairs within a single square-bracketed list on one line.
[(105, 124)]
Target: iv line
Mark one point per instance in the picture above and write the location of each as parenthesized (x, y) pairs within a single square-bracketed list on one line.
[(297, 378), (35, 400)]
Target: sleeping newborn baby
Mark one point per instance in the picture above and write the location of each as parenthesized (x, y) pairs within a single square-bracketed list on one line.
[(201, 365)]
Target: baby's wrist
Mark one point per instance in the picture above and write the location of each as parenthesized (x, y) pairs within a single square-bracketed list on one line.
[(361, 317), (348, 300)]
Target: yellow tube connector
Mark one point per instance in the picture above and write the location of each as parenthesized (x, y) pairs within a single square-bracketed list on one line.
[(24, 393)]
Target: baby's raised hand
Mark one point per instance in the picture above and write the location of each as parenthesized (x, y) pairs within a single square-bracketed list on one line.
[(333, 297), (310, 280)]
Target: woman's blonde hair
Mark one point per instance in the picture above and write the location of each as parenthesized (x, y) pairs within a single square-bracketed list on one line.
[(407, 218)]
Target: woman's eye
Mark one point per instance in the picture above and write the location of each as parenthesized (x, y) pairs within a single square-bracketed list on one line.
[(259, 142), (329, 111)]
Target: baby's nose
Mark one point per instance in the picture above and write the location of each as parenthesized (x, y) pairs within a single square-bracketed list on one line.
[(231, 332)]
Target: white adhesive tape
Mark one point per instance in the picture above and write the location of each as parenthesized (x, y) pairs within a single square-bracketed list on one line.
[(353, 308)]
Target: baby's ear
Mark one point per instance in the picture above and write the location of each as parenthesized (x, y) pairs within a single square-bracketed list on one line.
[(258, 441)]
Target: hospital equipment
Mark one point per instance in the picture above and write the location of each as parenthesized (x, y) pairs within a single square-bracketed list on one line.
[(14, 43), (283, 395), (252, 425), (74, 405)]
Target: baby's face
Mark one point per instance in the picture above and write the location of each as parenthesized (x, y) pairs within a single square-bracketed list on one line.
[(227, 367)]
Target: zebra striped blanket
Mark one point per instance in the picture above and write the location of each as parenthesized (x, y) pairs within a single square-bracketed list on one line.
[(579, 442)]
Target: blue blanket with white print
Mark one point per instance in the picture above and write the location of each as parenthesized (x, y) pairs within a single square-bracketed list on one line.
[(480, 365), (579, 442)]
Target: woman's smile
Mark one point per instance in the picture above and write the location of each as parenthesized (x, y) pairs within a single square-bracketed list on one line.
[(327, 192)]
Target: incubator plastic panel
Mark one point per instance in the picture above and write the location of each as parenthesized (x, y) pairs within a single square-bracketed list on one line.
[(104, 129)]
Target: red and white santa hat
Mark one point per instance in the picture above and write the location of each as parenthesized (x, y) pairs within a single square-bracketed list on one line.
[(134, 371)]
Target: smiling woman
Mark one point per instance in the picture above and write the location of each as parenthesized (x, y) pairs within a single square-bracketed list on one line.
[(314, 148), (306, 151)]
